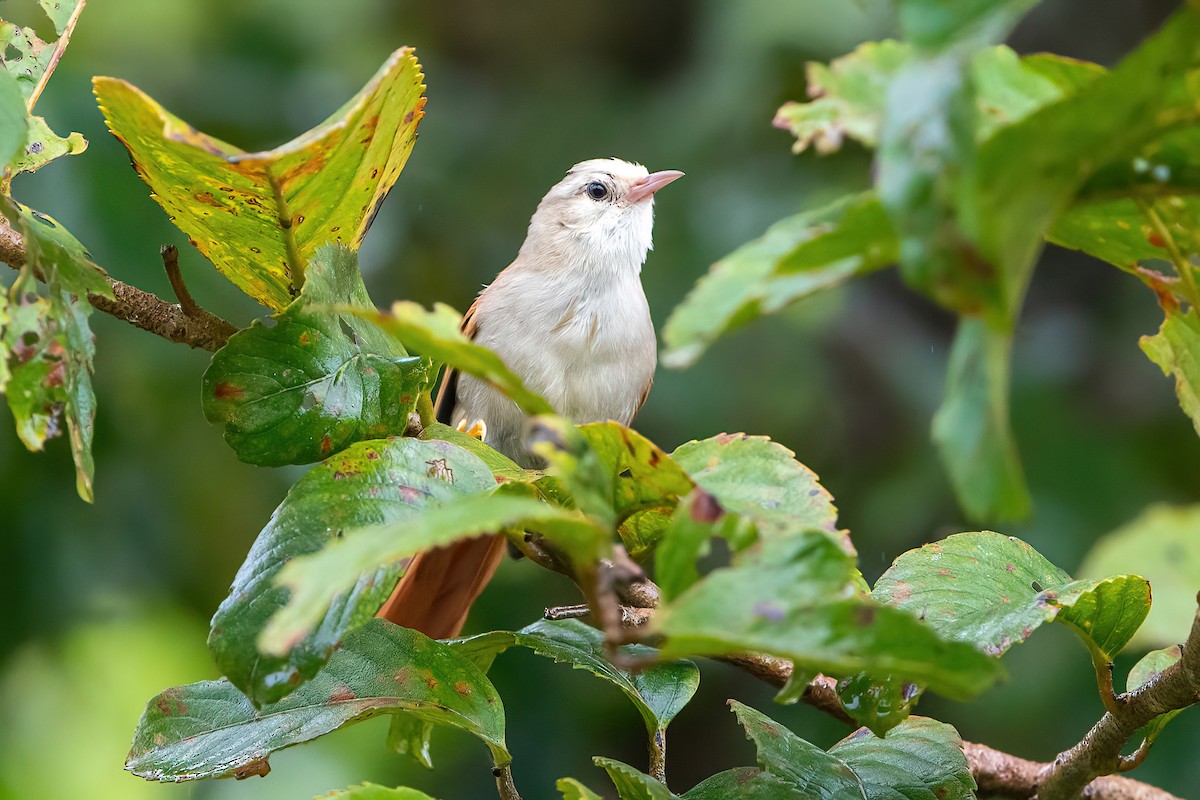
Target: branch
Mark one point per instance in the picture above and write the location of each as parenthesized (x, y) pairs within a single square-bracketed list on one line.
[(997, 773), (136, 306), (1099, 753)]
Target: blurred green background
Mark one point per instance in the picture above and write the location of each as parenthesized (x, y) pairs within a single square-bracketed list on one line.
[(105, 605)]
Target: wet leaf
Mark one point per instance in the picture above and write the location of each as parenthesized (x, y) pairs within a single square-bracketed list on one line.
[(1176, 351), (369, 483), (435, 334), (877, 704), (796, 257), (1159, 544), (921, 757), (210, 729), (315, 380), (259, 217), (797, 598), (659, 691), (802, 765), (994, 591), (1145, 671), (972, 429), (315, 580)]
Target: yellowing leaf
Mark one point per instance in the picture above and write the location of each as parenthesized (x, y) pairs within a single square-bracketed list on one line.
[(259, 217)]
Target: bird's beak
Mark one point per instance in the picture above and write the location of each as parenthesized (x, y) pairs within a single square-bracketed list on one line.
[(650, 184)]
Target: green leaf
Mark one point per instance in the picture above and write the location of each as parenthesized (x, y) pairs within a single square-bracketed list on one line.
[(315, 580), (44, 145), (371, 791), (1118, 231), (919, 758), (211, 730), (659, 691), (14, 123), (848, 95), (797, 598), (877, 704), (503, 467), (941, 23), (760, 480), (259, 217), (574, 790), (369, 483), (847, 98), (1176, 351), (436, 335), (994, 591), (972, 430), (796, 762), (798, 256), (315, 381), (411, 736), (633, 784), (48, 342), (60, 12), (697, 519), (745, 783), (1160, 544), (1148, 669)]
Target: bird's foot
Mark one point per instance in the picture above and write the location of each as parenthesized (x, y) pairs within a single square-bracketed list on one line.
[(476, 430)]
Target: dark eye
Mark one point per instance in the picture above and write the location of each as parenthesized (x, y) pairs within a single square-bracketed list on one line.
[(596, 190)]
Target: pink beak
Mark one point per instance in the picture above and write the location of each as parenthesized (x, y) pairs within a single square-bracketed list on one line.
[(650, 184)]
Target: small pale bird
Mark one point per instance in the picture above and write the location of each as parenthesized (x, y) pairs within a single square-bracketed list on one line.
[(568, 316)]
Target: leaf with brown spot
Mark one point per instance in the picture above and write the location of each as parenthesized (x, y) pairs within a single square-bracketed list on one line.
[(224, 735), (287, 202), (313, 515)]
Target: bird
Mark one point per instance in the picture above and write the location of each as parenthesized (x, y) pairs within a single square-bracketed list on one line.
[(569, 316)]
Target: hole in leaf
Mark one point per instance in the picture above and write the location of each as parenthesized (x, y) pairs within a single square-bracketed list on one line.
[(309, 402)]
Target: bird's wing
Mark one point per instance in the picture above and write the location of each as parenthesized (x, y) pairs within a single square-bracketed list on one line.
[(642, 398), (447, 396)]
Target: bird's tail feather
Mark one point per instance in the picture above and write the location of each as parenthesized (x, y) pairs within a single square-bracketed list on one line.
[(440, 585)]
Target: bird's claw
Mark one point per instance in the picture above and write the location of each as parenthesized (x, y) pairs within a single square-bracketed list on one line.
[(476, 430)]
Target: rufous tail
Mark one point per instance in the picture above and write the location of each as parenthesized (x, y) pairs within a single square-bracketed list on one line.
[(440, 585)]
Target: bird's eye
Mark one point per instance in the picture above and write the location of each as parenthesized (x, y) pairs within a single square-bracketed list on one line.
[(596, 190)]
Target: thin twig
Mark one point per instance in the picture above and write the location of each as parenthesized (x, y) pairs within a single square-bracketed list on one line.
[(136, 306), (170, 257), (504, 783), (60, 45)]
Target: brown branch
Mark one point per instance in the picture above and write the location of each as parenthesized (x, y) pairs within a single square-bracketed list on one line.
[(1099, 753), (136, 306)]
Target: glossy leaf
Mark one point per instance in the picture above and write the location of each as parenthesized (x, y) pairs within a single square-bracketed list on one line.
[(314, 381), (797, 598), (972, 429), (315, 580), (436, 335), (369, 483), (994, 591), (659, 691), (210, 729), (796, 762), (877, 704), (760, 480), (796, 257), (1146, 671), (1158, 544), (259, 217), (371, 791), (921, 757), (1176, 351)]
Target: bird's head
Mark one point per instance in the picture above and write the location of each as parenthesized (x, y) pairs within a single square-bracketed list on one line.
[(602, 212)]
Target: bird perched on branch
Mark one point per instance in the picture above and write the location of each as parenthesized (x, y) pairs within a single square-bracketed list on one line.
[(568, 316)]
